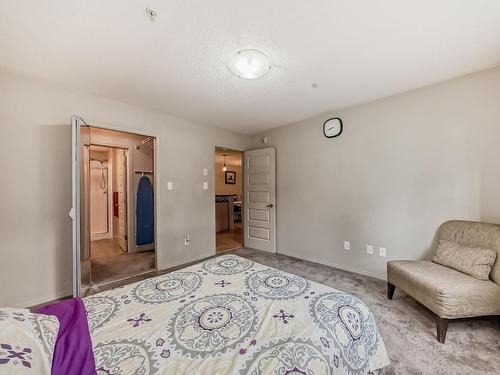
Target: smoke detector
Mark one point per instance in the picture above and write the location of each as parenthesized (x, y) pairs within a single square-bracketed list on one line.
[(152, 14)]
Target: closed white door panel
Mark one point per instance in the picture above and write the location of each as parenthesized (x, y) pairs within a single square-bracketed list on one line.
[(260, 199)]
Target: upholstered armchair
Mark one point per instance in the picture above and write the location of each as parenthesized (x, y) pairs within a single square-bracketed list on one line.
[(447, 292)]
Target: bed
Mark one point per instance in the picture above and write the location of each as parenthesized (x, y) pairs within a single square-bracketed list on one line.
[(230, 315)]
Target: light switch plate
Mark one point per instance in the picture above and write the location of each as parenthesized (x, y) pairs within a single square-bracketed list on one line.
[(205, 172), (369, 249), (383, 252), (170, 186), (205, 186), (347, 245)]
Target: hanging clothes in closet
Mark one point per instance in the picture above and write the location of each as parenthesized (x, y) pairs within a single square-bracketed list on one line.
[(144, 212)]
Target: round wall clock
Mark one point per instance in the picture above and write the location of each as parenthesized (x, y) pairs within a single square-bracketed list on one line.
[(333, 127)]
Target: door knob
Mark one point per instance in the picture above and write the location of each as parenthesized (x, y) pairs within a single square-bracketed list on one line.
[(270, 205)]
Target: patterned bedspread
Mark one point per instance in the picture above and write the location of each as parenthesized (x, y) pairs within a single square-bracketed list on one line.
[(229, 315)]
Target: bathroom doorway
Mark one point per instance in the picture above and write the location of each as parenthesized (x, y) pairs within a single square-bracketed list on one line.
[(228, 199), (100, 193), (117, 189)]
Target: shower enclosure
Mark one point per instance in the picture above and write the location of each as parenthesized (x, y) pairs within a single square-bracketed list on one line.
[(100, 191)]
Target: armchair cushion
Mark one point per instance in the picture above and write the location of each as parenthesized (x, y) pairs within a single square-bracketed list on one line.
[(474, 234), (475, 262)]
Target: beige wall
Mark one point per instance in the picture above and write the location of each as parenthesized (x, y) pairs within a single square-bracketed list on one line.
[(35, 230), (403, 165), (233, 163)]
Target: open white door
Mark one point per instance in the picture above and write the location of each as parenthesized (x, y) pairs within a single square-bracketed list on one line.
[(80, 141), (260, 199), (121, 185)]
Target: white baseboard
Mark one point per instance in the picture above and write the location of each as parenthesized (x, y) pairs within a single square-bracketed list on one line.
[(62, 294), (45, 299), (332, 264), (186, 261)]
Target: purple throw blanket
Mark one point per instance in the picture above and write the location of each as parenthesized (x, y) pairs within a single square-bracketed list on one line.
[(73, 352)]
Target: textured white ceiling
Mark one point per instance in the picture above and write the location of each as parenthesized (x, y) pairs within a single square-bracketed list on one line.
[(355, 51)]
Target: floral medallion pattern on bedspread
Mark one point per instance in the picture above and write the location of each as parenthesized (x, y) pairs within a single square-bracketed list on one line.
[(230, 315), (166, 288)]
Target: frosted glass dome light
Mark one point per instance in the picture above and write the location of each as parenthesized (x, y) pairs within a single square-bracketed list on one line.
[(249, 63)]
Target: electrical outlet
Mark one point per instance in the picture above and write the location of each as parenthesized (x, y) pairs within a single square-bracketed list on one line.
[(347, 245), (187, 240), (369, 249), (383, 252), (205, 186), (205, 172)]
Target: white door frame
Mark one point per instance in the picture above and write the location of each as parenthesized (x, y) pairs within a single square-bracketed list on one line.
[(273, 202), (243, 192), (74, 213), (109, 218), (214, 194), (129, 150)]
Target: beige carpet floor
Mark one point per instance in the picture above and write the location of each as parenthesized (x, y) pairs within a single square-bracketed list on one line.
[(116, 267), (109, 262), (472, 346)]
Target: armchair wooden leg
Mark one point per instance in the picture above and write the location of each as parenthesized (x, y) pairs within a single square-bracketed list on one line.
[(442, 327), (390, 290)]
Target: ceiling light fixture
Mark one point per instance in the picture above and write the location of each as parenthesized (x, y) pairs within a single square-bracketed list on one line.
[(249, 63)]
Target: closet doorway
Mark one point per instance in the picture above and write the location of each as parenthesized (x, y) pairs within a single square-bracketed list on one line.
[(117, 208)]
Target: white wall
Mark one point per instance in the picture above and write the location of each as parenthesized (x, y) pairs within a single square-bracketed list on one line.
[(35, 195), (403, 165)]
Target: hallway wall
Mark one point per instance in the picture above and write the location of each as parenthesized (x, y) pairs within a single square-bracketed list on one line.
[(35, 229)]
